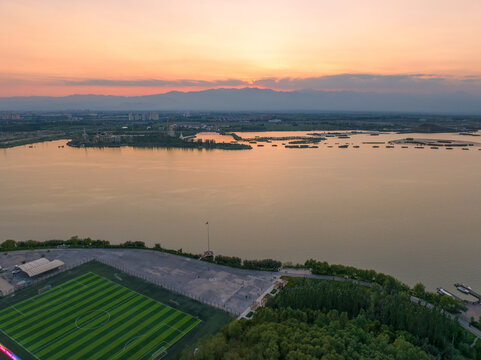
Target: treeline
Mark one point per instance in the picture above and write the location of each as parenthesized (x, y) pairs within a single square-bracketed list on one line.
[(371, 276), (74, 241), (234, 261), (266, 264), (476, 324), (77, 242), (157, 140), (392, 308), (287, 334), (318, 319), (388, 282)]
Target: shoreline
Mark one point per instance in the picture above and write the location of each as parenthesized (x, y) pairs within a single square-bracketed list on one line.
[(195, 279)]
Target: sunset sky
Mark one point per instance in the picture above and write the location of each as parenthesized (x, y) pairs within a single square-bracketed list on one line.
[(123, 47)]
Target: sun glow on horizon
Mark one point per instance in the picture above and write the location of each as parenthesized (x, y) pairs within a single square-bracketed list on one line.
[(57, 47)]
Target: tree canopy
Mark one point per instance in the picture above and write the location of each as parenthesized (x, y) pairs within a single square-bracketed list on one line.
[(328, 320)]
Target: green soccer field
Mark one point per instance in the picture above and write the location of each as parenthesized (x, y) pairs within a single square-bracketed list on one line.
[(91, 317)]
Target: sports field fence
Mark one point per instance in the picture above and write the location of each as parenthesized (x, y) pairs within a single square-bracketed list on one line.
[(164, 283)]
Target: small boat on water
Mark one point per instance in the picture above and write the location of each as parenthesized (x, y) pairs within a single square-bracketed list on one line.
[(441, 291), (463, 288)]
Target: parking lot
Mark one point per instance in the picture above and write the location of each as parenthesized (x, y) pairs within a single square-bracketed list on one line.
[(229, 288)]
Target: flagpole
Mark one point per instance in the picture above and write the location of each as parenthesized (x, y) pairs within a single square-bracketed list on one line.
[(208, 236)]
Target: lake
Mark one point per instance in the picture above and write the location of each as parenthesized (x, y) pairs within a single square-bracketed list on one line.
[(413, 213)]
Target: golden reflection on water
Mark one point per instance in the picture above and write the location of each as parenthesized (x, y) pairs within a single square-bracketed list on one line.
[(414, 213)]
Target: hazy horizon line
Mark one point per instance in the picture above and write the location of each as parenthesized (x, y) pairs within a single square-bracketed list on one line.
[(416, 83)]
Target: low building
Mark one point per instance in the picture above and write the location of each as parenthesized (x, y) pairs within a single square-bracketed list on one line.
[(5, 287), (40, 266)]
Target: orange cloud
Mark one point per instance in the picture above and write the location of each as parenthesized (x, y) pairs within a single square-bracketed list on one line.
[(126, 40)]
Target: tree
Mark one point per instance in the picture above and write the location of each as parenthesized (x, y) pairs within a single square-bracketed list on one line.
[(74, 240), (419, 290), (9, 244), (88, 241), (32, 243)]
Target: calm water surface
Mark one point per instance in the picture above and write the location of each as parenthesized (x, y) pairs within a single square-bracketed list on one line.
[(413, 213)]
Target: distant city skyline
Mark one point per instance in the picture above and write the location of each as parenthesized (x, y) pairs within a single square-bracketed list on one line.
[(58, 48)]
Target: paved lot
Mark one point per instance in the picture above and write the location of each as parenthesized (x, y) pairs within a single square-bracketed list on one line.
[(225, 287), (229, 288)]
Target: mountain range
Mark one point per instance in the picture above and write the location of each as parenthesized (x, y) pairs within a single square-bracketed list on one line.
[(254, 99)]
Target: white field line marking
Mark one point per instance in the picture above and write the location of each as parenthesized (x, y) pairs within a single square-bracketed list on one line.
[(96, 327), (183, 333), (129, 342), (151, 331), (160, 302), (58, 287), (14, 308), (164, 346), (34, 298), (168, 344), (18, 342), (183, 312), (93, 319), (157, 353), (49, 304), (81, 283), (75, 328), (174, 328)]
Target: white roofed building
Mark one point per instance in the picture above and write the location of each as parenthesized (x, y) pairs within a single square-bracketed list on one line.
[(40, 266)]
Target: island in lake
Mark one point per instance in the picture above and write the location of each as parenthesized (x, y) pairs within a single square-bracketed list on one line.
[(151, 140)]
